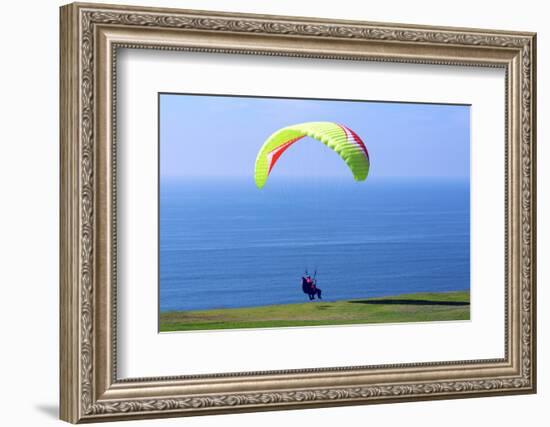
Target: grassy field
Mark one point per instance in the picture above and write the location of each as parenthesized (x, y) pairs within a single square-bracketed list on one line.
[(422, 307)]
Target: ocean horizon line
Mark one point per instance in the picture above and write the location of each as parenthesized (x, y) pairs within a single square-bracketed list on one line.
[(316, 178)]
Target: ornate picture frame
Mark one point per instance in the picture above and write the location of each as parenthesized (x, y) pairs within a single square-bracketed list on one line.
[(90, 37)]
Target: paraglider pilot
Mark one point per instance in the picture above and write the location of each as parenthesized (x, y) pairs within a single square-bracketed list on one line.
[(309, 287)]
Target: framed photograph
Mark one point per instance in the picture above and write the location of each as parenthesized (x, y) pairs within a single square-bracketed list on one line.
[(239, 251), (267, 212)]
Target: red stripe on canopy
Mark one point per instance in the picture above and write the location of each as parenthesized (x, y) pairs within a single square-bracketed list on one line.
[(356, 139), (274, 155)]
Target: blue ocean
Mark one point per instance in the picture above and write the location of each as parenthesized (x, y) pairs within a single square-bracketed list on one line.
[(224, 243)]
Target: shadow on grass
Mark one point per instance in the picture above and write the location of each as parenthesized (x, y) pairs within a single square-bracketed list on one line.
[(409, 302)]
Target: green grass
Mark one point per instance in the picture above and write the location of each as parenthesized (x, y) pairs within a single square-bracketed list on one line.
[(421, 307)]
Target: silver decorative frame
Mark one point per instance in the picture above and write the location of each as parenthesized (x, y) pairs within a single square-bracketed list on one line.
[(90, 36)]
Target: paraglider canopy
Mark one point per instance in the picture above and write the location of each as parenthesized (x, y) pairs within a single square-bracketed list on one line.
[(339, 138)]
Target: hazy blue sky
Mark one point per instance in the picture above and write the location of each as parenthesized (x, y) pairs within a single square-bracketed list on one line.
[(213, 136)]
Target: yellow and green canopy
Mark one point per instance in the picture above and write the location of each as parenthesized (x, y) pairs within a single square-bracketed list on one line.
[(340, 138)]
